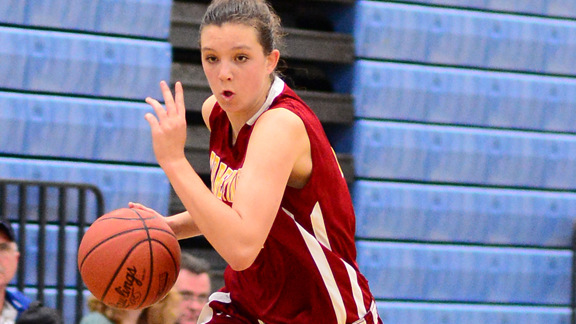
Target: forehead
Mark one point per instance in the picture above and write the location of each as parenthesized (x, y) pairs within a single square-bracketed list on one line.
[(228, 36), (188, 281)]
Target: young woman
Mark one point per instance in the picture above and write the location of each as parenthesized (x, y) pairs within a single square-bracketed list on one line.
[(279, 212)]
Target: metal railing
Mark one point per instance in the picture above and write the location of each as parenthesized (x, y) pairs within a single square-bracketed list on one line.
[(44, 204)]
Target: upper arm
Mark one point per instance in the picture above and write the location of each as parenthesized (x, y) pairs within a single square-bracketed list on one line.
[(279, 139), (207, 107)]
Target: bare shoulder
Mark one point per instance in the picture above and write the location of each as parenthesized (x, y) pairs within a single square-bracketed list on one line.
[(207, 107), (281, 119)]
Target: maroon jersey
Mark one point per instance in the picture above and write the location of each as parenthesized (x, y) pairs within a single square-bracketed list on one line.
[(306, 271)]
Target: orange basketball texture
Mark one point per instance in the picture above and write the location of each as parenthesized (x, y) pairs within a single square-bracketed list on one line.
[(129, 258)]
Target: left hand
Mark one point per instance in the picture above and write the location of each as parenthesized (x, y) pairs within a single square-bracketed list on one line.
[(168, 127)]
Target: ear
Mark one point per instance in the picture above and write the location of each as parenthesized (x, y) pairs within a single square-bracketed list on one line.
[(272, 60)]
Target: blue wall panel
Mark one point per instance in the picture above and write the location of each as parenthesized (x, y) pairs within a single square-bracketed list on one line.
[(401, 211), (464, 38), (119, 184), (411, 313), (466, 274), (467, 97), (387, 150), (554, 8), (75, 128), (82, 64), (142, 18)]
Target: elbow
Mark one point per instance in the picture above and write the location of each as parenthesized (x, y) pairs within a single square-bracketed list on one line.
[(243, 260)]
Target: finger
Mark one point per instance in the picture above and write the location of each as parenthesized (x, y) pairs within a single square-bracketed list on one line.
[(160, 111), (151, 119), (180, 107), (168, 99)]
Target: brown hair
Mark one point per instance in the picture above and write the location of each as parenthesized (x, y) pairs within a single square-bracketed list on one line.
[(163, 312), (255, 13)]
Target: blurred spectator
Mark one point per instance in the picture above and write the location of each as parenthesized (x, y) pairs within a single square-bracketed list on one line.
[(38, 314), (194, 286), (12, 302), (163, 312)]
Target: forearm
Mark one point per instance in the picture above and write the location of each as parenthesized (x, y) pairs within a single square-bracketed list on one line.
[(183, 225), (230, 235)]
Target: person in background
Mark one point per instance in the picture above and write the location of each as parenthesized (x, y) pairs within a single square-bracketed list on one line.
[(163, 312), (194, 286), (39, 314), (12, 302)]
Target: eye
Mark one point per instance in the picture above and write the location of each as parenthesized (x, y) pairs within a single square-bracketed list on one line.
[(210, 58), (241, 58)]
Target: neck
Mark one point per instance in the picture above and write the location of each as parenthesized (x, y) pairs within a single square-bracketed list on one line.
[(239, 119)]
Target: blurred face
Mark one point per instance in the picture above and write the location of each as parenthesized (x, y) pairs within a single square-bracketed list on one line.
[(8, 260), (236, 67), (195, 290)]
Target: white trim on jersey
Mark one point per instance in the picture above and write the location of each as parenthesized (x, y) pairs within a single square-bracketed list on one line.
[(321, 234), (275, 90), (325, 271), (356, 290), (207, 312), (313, 244), (319, 227)]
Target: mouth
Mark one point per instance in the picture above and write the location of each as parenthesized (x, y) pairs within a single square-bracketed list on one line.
[(227, 94)]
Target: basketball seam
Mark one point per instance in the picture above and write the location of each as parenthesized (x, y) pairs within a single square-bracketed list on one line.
[(120, 267), (151, 258), (119, 234)]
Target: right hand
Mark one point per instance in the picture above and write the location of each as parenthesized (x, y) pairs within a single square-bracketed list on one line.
[(169, 125), (144, 208)]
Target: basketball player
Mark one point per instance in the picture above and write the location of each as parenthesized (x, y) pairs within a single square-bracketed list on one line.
[(279, 212)]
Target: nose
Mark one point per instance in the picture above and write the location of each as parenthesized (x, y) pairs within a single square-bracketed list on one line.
[(225, 72), (196, 305)]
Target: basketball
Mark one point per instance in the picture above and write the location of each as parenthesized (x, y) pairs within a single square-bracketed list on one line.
[(129, 258)]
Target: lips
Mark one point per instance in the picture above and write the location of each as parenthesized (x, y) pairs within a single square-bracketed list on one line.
[(226, 94)]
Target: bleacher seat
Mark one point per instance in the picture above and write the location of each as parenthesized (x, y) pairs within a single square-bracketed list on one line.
[(450, 273), (415, 33), (411, 313), (416, 212), (141, 18), (57, 62), (550, 8), (119, 184), (389, 150), (38, 125), (394, 91), (51, 257)]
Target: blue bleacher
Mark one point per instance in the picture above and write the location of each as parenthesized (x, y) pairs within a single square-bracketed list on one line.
[(143, 18), (392, 31), (51, 266), (552, 8), (394, 91), (389, 150), (453, 273), (410, 313), (38, 125), (403, 211), (50, 297), (58, 62), (119, 184)]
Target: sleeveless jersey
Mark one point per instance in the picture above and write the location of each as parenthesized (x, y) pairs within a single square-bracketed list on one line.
[(306, 271)]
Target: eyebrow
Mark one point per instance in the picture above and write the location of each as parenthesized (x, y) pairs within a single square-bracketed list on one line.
[(233, 48)]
